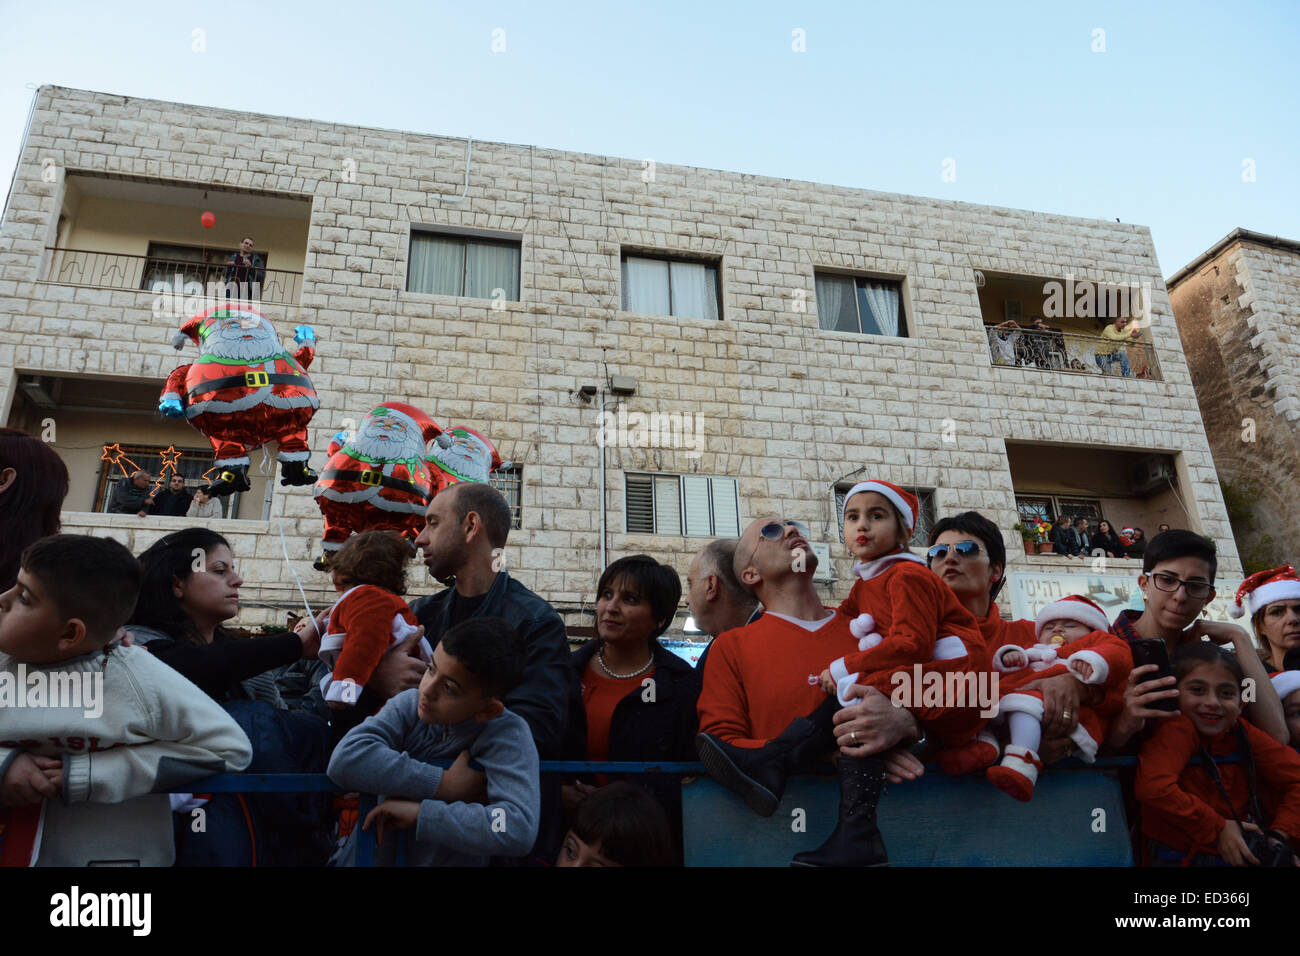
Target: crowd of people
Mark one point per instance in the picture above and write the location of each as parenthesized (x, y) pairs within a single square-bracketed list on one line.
[(375, 690), (1078, 537), (1037, 344), (135, 495)]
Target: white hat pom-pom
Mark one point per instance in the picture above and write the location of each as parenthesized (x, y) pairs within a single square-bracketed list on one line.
[(862, 625), (1236, 610)]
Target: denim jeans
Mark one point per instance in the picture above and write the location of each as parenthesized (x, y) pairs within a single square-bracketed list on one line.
[(1109, 361)]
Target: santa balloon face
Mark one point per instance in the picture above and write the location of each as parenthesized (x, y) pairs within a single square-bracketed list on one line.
[(469, 458), (388, 437), (246, 336)]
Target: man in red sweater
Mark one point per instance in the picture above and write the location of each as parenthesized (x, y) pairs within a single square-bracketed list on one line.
[(762, 677)]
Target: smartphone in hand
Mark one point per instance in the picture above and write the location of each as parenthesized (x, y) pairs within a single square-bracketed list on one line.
[(1152, 650)]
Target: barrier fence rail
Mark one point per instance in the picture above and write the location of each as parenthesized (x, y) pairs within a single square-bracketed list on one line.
[(955, 801)]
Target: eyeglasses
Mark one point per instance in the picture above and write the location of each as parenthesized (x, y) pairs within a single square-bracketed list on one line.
[(963, 549), (1196, 590), (775, 531)]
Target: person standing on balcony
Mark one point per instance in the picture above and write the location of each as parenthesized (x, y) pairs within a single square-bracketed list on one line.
[(1081, 532), (175, 501), (1004, 341), (1115, 336), (246, 271), (1064, 540), (133, 497)]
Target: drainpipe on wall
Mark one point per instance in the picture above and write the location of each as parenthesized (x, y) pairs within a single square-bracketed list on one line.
[(601, 442)]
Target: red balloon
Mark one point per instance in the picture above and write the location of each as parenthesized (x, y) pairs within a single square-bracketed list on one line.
[(208, 220)]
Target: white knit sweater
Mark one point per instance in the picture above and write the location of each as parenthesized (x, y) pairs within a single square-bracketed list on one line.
[(156, 731)]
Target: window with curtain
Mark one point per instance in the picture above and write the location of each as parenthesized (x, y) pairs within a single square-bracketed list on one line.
[(659, 286), (442, 264), (690, 505), (858, 304)]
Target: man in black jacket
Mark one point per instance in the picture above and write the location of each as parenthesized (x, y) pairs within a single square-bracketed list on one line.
[(133, 496), (464, 540), (175, 501)]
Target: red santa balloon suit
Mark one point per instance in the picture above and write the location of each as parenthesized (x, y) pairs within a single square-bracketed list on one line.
[(245, 390), (469, 457), (378, 479)]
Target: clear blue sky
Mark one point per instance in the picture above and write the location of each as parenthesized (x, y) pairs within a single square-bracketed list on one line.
[(1154, 130)]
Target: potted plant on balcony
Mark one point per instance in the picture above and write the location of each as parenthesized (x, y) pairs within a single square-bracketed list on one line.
[(1041, 530), (1026, 536)]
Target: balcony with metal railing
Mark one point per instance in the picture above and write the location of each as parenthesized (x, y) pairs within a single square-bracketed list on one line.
[(1071, 352), (176, 277)]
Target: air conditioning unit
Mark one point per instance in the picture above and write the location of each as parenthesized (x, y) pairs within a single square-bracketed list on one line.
[(1152, 472), (825, 570)]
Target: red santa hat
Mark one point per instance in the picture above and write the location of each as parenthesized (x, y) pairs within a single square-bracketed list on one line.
[(903, 501), (1263, 588), (1076, 607), (1286, 683), (429, 429)]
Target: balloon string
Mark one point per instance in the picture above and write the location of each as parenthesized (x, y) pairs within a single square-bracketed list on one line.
[(285, 549), (266, 457)]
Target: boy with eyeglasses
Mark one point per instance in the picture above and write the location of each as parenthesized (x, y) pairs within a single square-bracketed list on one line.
[(1177, 582)]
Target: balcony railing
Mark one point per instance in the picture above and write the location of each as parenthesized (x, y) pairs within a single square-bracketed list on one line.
[(1071, 352), (115, 270)]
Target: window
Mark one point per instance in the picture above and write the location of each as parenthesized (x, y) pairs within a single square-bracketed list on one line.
[(463, 266), (510, 481), (119, 462), (691, 505), (1033, 507), (924, 521), (660, 286), (856, 304)]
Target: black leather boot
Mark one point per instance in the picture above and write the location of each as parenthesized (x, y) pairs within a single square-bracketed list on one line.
[(856, 840), (296, 473), (758, 774), (228, 482)]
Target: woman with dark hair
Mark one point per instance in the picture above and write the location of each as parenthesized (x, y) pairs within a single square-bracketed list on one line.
[(189, 589), (1139, 546), (33, 484), (632, 698), (1107, 540), (969, 555)]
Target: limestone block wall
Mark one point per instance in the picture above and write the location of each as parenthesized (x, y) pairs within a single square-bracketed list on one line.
[(786, 407)]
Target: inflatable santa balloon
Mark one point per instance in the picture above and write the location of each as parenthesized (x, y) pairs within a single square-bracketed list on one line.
[(377, 479), (244, 391), (468, 457)]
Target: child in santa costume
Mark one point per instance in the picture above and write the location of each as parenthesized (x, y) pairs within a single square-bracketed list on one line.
[(1195, 810), (903, 615), (244, 391), (370, 618), (377, 479), (1071, 636)]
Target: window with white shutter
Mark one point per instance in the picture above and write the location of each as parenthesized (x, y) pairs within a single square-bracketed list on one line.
[(690, 505)]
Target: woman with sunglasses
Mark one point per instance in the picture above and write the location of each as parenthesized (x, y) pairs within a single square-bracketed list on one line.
[(968, 554)]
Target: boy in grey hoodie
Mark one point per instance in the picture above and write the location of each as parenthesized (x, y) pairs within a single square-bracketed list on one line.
[(92, 735), (456, 707)]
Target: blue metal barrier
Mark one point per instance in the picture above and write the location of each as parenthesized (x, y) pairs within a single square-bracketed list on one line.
[(719, 830)]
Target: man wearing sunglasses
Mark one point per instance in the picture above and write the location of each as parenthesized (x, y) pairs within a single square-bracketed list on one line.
[(751, 692), (1177, 582)]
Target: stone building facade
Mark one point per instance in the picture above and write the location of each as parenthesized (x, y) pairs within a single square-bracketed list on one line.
[(1238, 313), (787, 408)]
